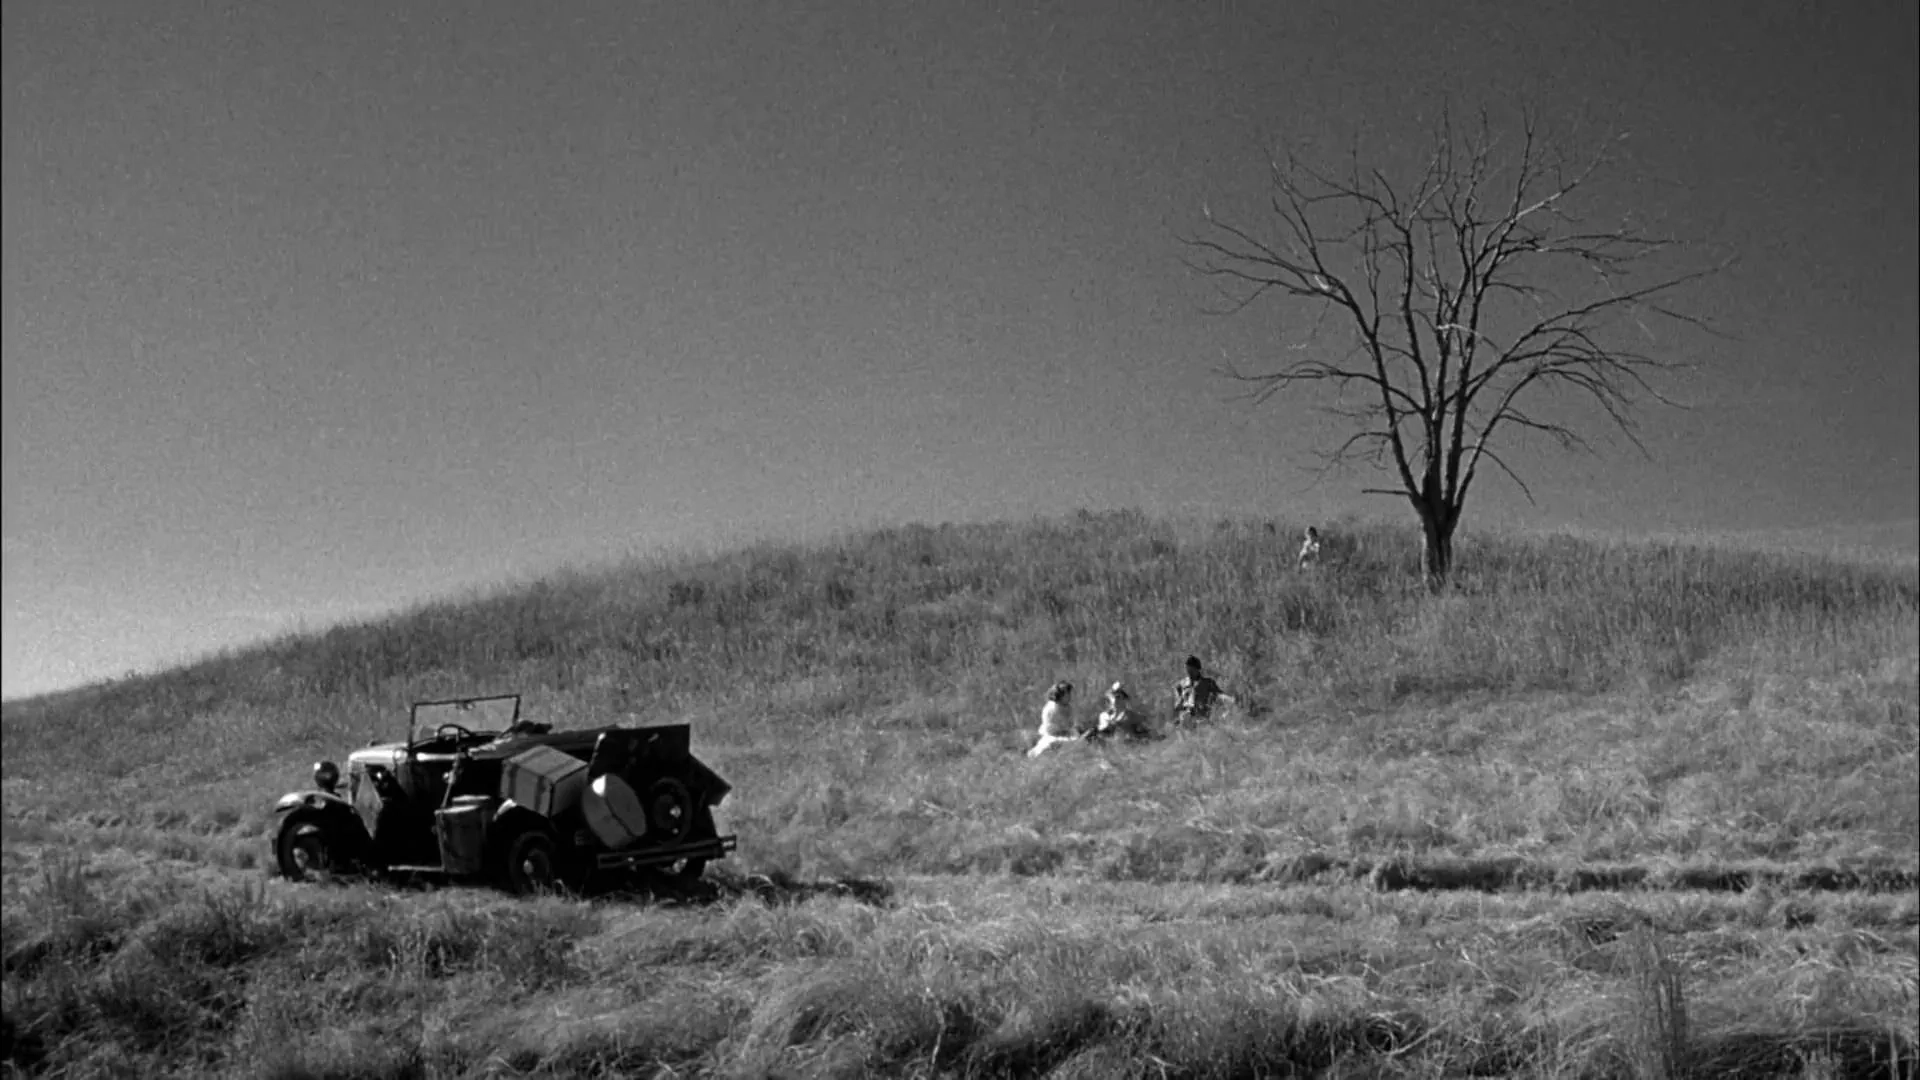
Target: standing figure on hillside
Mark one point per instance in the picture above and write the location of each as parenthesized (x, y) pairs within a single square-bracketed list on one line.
[(1121, 720), (1056, 719), (1310, 548), (1195, 695)]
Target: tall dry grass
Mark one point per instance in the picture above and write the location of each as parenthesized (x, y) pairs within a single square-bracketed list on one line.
[(144, 973)]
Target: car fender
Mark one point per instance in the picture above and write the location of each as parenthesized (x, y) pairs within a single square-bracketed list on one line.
[(311, 800), (509, 812), (710, 788), (337, 812)]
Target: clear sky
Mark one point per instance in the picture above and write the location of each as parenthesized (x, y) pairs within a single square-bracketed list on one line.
[(313, 310)]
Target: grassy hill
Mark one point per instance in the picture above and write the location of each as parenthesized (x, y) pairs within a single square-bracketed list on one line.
[(1394, 853)]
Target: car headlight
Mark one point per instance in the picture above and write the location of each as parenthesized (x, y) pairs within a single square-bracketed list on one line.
[(326, 776)]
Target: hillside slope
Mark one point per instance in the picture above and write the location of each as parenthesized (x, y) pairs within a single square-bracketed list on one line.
[(869, 698)]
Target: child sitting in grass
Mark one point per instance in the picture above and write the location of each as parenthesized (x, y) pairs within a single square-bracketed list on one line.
[(1121, 720)]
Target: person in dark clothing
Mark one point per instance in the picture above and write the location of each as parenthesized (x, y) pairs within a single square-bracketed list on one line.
[(1195, 696)]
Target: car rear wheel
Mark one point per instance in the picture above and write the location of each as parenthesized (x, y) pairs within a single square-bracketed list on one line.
[(308, 848), (670, 811), (530, 860)]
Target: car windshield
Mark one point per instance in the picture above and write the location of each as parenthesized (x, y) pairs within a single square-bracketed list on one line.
[(475, 714)]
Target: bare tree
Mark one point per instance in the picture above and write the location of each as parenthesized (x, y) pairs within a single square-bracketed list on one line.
[(1467, 299)]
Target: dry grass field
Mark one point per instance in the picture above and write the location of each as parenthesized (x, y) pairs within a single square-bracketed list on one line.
[(1598, 809)]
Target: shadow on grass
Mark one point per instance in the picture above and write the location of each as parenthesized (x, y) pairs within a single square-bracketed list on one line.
[(653, 887), (774, 889), (1844, 1051), (1503, 874)]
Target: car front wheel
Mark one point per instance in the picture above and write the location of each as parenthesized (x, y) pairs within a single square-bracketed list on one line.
[(308, 848)]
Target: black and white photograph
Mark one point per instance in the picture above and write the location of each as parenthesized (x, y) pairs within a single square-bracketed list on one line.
[(960, 539)]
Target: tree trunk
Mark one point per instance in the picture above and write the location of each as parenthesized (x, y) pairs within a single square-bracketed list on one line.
[(1436, 545)]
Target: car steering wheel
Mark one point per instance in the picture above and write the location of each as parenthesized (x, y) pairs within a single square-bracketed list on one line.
[(464, 733)]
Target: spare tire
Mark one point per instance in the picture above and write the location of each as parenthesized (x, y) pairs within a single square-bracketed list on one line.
[(613, 812)]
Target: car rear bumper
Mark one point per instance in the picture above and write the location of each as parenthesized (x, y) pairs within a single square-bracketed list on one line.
[(715, 848)]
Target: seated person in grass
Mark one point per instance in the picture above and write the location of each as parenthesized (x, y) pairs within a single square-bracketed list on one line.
[(1056, 719), (1310, 548), (1121, 720), (1195, 696)]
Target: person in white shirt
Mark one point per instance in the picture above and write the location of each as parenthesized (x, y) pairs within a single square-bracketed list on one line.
[(1121, 720), (1056, 719)]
